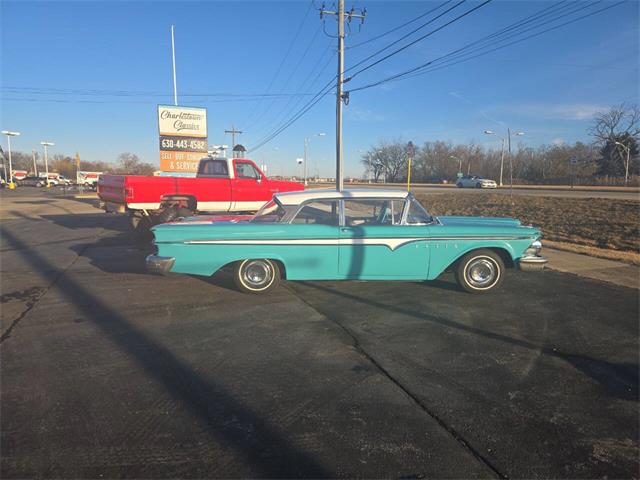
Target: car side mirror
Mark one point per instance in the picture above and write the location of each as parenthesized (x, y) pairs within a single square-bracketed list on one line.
[(259, 179)]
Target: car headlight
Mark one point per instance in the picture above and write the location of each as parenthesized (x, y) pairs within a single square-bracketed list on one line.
[(534, 249)]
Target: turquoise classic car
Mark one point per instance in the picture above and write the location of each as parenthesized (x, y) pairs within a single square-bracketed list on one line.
[(359, 234)]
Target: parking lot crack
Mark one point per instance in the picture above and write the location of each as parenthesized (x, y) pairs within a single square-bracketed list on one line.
[(420, 404), (36, 296)]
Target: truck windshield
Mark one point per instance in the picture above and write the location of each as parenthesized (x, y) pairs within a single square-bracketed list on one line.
[(271, 212)]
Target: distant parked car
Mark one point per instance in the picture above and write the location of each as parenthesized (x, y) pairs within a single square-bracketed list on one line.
[(32, 181), (475, 181), (64, 180)]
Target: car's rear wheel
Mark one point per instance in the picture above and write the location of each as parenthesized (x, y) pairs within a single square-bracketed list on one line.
[(256, 275), (480, 271), (459, 184), (478, 185)]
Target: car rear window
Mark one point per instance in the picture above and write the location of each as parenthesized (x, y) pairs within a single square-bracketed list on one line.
[(214, 168)]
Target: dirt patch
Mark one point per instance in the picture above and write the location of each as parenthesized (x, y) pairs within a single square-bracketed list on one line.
[(595, 222)]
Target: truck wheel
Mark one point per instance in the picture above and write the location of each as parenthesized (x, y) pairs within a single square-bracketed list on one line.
[(171, 213), (480, 271), (256, 275)]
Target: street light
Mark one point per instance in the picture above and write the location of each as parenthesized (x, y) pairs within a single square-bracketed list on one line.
[(10, 134), (306, 147), (626, 165), (460, 162), (46, 161), (490, 132)]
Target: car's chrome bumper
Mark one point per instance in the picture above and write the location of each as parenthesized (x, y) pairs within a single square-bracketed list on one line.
[(157, 264), (532, 263)]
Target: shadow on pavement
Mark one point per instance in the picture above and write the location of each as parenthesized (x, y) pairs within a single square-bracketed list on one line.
[(267, 451), (620, 380)]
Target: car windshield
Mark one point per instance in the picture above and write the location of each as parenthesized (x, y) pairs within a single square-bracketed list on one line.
[(271, 212)]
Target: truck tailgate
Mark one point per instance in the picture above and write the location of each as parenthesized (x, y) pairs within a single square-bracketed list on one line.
[(111, 188)]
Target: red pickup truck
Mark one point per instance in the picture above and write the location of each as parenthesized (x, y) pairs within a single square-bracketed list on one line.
[(221, 185)]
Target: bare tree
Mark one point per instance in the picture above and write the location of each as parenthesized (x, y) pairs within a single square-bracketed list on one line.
[(620, 121), (130, 163), (617, 131)]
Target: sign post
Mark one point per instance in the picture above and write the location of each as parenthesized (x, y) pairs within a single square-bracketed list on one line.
[(410, 152), (183, 138)]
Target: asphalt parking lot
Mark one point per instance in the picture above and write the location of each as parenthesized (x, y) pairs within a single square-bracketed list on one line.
[(110, 372)]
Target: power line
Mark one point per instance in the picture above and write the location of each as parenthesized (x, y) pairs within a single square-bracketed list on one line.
[(458, 18), (501, 31), (126, 93), (293, 103), (320, 95), (291, 44), (145, 102), (291, 74), (399, 27), (406, 35), (422, 69)]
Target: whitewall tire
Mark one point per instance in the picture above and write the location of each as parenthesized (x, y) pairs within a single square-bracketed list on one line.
[(256, 275)]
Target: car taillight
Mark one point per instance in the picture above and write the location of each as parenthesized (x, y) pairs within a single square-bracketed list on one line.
[(128, 193)]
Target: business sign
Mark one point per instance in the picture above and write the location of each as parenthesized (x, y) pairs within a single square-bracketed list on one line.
[(182, 121), (180, 161), (183, 144), (183, 138)]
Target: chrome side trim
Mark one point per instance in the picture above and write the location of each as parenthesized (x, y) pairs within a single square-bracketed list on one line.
[(391, 242)]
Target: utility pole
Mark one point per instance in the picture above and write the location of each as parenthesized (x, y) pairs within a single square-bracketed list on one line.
[(233, 133), (340, 80), (35, 167)]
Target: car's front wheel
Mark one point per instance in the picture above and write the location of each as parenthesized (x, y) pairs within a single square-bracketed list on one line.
[(480, 271), (256, 275)]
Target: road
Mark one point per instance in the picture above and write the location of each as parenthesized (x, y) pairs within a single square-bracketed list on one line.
[(562, 192), (110, 372)]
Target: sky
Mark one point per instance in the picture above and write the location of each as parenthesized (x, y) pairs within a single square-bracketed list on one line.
[(88, 75)]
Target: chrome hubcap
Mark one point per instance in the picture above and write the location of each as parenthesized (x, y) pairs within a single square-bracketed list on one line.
[(481, 272), (257, 273)]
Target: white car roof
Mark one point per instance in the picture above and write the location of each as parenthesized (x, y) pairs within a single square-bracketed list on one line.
[(296, 198)]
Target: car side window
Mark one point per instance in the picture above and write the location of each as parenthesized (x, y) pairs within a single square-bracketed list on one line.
[(373, 212), (246, 170), (417, 215), (318, 213)]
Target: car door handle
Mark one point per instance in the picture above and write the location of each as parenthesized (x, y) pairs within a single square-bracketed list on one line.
[(345, 229)]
